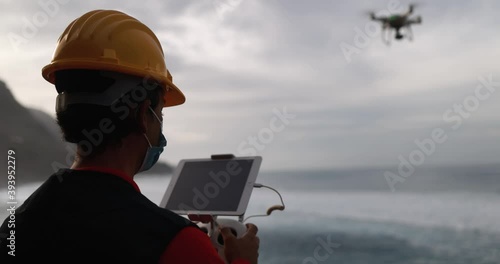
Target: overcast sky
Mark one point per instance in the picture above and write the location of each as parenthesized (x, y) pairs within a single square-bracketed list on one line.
[(341, 102)]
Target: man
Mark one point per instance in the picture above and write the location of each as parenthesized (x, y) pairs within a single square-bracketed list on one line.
[(110, 74)]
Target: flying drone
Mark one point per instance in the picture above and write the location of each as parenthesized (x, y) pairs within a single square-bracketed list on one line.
[(397, 22)]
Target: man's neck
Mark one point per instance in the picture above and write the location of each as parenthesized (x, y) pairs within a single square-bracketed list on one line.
[(115, 159)]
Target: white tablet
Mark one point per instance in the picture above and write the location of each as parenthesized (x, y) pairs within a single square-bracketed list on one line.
[(212, 186)]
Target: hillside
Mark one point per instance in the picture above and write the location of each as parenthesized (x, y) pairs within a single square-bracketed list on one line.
[(36, 140)]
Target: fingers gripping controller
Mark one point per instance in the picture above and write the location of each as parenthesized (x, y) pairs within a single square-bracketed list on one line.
[(219, 230), (220, 238), (237, 228), (213, 229), (224, 232)]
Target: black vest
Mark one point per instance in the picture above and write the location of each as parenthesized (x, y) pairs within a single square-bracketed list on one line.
[(89, 217)]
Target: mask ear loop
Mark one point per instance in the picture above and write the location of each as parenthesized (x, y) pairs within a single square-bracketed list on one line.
[(157, 118), (161, 126), (144, 134), (162, 141), (146, 137)]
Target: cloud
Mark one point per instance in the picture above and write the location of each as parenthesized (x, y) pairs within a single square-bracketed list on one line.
[(238, 63)]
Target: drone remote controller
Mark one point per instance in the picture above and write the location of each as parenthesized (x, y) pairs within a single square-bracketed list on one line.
[(237, 228), (232, 205)]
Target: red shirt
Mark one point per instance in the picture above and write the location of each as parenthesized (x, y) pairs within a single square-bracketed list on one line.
[(189, 246)]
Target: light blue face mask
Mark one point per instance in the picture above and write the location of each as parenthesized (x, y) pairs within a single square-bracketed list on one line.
[(153, 153)]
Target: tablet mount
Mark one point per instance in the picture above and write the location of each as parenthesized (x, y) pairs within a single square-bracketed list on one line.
[(211, 225)]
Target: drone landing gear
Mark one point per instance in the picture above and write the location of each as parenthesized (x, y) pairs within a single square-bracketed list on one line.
[(386, 35), (409, 33)]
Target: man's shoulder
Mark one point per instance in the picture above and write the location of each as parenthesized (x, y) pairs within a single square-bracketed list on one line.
[(111, 197)]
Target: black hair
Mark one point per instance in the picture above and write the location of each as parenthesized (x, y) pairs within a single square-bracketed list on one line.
[(94, 127)]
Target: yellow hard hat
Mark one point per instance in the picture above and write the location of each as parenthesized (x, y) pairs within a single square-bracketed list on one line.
[(110, 40)]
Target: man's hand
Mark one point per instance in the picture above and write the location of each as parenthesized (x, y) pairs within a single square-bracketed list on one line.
[(246, 247)]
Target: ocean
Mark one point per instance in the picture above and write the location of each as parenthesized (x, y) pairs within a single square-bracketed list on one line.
[(437, 215)]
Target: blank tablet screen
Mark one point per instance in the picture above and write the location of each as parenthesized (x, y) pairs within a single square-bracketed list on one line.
[(215, 185)]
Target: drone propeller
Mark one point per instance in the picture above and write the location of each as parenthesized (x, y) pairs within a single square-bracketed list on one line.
[(372, 15), (416, 20), (413, 5), (369, 13), (411, 8)]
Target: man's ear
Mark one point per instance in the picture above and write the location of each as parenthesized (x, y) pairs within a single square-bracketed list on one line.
[(142, 116)]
